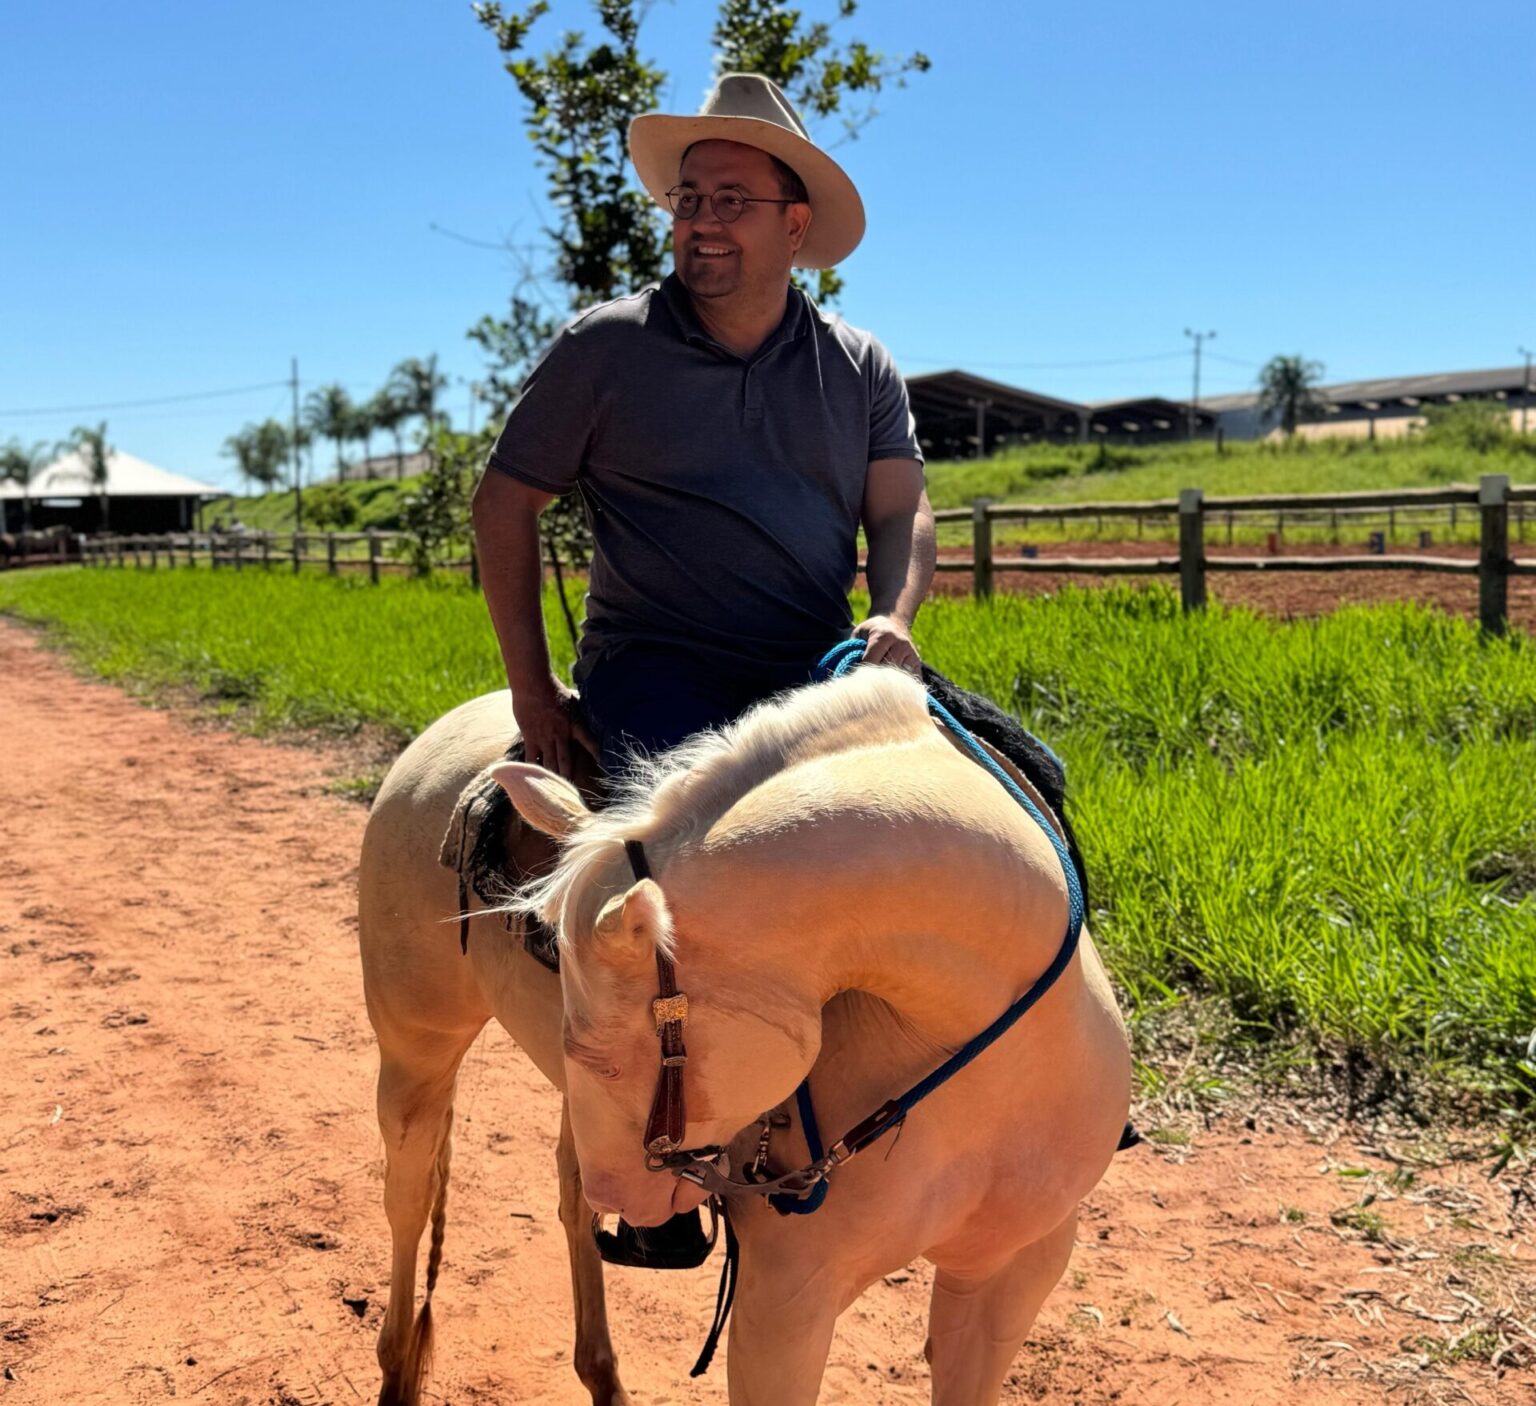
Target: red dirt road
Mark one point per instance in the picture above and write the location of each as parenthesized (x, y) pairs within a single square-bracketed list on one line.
[(190, 1169)]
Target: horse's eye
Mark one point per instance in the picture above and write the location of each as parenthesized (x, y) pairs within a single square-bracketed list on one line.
[(609, 1071)]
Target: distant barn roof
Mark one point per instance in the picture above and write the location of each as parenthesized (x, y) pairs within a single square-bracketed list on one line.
[(127, 477), (958, 391), (1466, 385)]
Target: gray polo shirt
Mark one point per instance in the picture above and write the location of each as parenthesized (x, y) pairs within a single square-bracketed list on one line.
[(724, 492)]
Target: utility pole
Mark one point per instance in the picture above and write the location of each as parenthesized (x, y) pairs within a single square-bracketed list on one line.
[(1525, 400), (1194, 402), (298, 493)]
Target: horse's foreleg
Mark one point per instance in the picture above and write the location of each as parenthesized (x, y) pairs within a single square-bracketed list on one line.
[(596, 1364), (781, 1332), (977, 1326), (415, 1101)]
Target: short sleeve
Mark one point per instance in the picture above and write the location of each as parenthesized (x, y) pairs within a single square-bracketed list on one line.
[(544, 441), (892, 430)]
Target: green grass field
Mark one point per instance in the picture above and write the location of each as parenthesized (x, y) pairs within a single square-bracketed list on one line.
[(1049, 474), (1323, 829)]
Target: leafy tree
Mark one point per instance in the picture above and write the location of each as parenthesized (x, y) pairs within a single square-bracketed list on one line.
[(90, 443), (20, 464), (1288, 391), (437, 514), (328, 411), (821, 78), (609, 238)]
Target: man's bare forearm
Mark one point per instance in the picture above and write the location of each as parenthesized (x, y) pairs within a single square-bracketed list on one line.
[(506, 521), (900, 563)]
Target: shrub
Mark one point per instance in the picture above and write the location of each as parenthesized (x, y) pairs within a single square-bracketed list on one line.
[(330, 507)]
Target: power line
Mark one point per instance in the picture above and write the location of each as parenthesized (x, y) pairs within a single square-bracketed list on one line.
[(1042, 365), (136, 404)]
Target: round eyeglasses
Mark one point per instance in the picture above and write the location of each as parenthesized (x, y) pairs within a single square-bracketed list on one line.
[(727, 204)]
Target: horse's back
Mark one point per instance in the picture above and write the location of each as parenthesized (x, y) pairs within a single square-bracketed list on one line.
[(413, 971)]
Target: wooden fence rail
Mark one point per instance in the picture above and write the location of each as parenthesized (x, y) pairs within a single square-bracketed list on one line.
[(263, 551), (1494, 501), (1491, 500)]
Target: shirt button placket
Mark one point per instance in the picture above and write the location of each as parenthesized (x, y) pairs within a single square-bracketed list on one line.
[(751, 401)]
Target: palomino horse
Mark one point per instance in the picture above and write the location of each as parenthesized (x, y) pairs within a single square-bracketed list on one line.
[(844, 895)]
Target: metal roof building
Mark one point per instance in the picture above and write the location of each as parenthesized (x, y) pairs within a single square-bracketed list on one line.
[(1389, 405), (961, 416)]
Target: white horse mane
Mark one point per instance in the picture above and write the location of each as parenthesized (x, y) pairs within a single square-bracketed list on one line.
[(666, 800)]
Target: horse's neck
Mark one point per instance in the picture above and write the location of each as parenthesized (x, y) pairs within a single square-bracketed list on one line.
[(933, 899)]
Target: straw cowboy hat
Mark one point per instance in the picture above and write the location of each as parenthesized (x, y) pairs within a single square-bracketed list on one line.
[(751, 109)]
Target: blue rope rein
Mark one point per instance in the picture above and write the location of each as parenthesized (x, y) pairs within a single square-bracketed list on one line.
[(840, 660)]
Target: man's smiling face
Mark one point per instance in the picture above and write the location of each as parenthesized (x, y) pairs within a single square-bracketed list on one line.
[(754, 254)]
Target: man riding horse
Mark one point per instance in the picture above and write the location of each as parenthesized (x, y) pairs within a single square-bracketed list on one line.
[(728, 439)]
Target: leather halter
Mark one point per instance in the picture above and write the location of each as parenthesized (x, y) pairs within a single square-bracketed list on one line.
[(664, 1128)]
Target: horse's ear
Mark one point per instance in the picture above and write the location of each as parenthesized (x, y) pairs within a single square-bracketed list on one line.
[(633, 924), (546, 801)]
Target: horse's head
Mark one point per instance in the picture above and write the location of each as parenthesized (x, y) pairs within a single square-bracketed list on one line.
[(751, 1034)]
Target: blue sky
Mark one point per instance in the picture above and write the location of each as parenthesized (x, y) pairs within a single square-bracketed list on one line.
[(196, 192)]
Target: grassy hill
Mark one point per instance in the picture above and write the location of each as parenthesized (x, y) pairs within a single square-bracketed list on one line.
[(1072, 474), (376, 503)]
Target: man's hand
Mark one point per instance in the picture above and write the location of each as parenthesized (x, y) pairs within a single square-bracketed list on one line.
[(888, 641), (549, 719)]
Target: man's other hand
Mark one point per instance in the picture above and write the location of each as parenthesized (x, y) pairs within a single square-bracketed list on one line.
[(549, 718), (888, 641)]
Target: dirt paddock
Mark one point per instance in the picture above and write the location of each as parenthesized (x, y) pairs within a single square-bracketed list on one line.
[(191, 1168), (1287, 594)]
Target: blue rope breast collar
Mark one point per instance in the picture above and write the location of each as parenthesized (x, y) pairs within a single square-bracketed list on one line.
[(841, 660), (802, 1192)]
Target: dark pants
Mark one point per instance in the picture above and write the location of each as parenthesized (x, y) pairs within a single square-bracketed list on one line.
[(648, 697)]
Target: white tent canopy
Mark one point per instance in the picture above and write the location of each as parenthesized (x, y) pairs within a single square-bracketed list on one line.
[(127, 477)]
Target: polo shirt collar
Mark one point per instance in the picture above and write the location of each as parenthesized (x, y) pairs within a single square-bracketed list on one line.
[(793, 325)]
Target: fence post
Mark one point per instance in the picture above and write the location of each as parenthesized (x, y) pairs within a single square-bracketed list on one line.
[(330, 553), (373, 556), (239, 552), (154, 553), (297, 547), (1192, 548), (474, 566), (1493, 558), (266, 550), (981, 548)]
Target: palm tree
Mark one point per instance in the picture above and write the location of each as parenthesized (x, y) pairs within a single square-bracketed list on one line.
[(328, 412), (90, 443), (242, 450), (269, 451), (1288, 390), (418, 383), (20, 464), (362, 425), (390, 411)]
